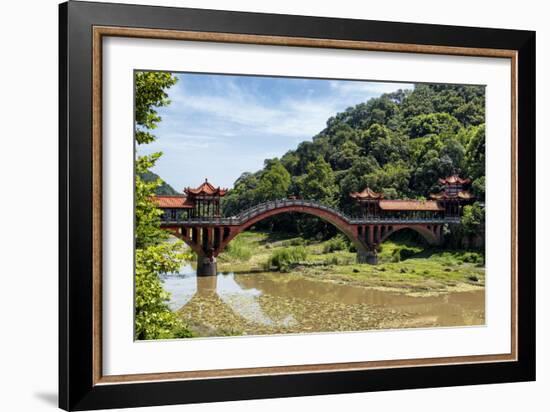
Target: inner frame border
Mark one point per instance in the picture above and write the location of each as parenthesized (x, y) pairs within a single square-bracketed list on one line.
[(98, 32)]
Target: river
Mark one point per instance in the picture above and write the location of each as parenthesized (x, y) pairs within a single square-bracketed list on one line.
[(272, 303)]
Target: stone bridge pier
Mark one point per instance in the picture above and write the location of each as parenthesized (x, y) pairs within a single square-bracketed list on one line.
[(367, 256), (207, 241), (206, 266)]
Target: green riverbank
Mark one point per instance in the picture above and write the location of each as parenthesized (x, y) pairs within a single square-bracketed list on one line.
[(403, 267)]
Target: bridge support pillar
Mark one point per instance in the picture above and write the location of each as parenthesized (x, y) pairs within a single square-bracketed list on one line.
[(206, 266), (367, 256)]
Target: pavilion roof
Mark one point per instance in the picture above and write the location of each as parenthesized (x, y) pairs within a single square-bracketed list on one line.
[(464, 195), (366, 193), (454, 179), (205, 188), (173, 202), (418, 205)]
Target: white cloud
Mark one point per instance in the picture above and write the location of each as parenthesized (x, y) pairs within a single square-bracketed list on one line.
[(202, 129), (291, 118), (297, 117), (370, 88)]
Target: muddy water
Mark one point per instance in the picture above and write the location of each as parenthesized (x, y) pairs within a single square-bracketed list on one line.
[(267, 303)]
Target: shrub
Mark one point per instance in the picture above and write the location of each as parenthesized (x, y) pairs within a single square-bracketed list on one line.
[(333, 260), (471, 257), (182, 331), (283, 259), (339, 260), (338, 242), (402, 252)]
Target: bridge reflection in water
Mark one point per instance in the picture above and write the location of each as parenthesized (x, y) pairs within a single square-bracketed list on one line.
[(207, 300), (271, 303)]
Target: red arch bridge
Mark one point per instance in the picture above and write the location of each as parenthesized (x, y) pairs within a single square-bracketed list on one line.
[(208, 236)]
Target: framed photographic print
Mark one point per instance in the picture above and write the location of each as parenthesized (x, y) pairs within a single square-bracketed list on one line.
[(258, 205)]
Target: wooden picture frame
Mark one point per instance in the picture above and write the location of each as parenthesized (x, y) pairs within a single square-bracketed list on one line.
[(82, 385)]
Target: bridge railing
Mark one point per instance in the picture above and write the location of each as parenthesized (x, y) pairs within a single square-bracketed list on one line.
[(256, 210), (232, 221), (276, 204)]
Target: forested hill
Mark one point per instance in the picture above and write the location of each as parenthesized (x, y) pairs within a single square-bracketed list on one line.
[(163, 189), (399, 143)]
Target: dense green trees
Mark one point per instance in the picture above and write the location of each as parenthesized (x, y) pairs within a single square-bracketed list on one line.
[(273, 183), (249, 189), (318, 183), (153, 320), (473, 219), (399, 143)]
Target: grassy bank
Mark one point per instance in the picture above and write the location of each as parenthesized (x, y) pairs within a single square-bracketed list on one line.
[(403, 266)]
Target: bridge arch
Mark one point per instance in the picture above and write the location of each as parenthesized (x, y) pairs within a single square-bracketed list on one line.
[(325, 214), (430, 233)]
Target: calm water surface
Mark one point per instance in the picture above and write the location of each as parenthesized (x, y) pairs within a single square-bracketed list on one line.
[(261, 303)]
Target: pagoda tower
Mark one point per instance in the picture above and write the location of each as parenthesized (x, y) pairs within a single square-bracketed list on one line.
[(369, 202), (205, 200), (454, 195)]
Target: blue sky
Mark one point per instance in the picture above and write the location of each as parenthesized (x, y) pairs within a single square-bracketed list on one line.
[(219, 126)]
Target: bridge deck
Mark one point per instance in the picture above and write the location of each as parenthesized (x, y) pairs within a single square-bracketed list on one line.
[(254, 211)]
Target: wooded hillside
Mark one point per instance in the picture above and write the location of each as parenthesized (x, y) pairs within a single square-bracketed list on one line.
[(399, 143)]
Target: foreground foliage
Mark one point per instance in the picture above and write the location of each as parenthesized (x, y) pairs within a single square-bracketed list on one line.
[(153, 318)]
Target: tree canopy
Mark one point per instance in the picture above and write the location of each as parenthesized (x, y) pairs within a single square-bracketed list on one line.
[(399, 143)]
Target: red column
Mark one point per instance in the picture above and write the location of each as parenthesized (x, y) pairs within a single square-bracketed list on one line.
[(371, 235), (211, 237)]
